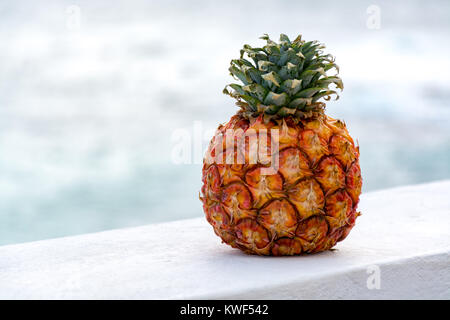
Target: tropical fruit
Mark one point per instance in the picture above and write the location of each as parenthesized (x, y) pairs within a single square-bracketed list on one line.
[(282, 177)]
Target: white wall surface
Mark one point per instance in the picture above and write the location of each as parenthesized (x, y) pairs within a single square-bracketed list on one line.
[(403, 233)]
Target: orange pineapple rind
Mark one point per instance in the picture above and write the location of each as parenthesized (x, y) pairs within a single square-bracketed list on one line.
[(305, 207)]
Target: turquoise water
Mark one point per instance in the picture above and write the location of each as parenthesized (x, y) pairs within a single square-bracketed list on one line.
[(87, 113)]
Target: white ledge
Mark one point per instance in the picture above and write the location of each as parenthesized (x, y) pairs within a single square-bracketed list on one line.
[(403, 231)]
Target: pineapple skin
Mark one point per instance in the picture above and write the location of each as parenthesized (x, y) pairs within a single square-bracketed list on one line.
[(307, 206)]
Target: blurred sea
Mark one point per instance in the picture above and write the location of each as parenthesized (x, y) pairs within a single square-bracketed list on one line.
[(87, 113)]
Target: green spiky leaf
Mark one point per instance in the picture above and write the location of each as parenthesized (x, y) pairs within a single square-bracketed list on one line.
[(284, 78), (277, 99), (238, 89), (256, 90), (291, 86), (272, 79), (266, 66), (308, 93), (300, 103)]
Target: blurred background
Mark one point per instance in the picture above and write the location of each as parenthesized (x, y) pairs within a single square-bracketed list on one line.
[(92, 91)]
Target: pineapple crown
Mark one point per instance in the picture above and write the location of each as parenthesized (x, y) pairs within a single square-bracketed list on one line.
[(285, 78)]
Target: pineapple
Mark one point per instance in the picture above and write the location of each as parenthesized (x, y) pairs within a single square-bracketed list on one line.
[(282, 177)]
